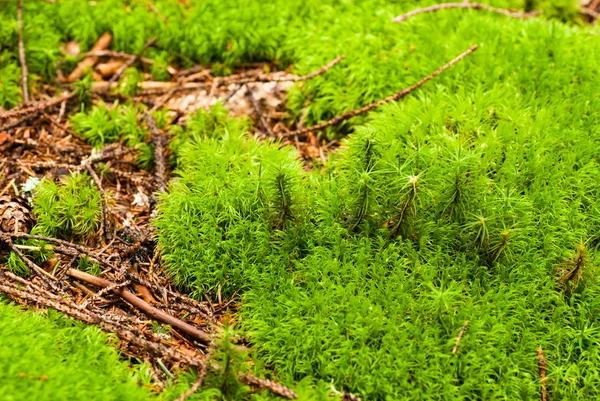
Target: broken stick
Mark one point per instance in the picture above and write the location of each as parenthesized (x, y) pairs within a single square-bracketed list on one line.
[(90, 61), (160, 166), (398, 95), (460, 334), (22, 52), (475, 6), (142, 305), (542, 366), (129, 63), (258, 112), (35, 109)]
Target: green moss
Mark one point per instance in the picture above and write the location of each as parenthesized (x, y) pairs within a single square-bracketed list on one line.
[(68, 209), (99, 126), (57, 358), (456, 204)]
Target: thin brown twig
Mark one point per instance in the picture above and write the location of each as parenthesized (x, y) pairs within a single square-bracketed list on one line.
[(12, 125), (159, 141), (475, 6), (460, 334), (22, 52), (153, 8), (56, 124), (290, 78), (258, 112), (142, 305), (194, 306), (114, 54), (542, 366), (104, 221), (105, 291), (35, 109), (128, 64), (47, 278), (275, 388), (89, 61), (398, 95), (197, 384)]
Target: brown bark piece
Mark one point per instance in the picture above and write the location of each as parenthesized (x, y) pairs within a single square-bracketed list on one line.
[(109, 68), (102, 44)]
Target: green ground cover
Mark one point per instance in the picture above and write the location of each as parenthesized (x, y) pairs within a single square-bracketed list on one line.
[(54, 358), (459, 203)]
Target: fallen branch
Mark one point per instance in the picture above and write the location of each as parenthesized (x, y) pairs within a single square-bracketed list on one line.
[(291, 78), (191, 304), (114, 54), (542, 366), (128, 64), (104, 221), (399, 95), (45, 277), (258, 112), (35, 109), (159, 141), (275, 388), (460, 334), (195, 386), (140, 304), (88, 62), (475, 6), (22, 52)]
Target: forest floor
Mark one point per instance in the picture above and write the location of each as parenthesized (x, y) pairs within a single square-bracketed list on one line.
[(301, 200)]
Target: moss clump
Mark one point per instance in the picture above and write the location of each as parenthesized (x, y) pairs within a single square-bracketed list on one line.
[(57, 358), (447, 208), (68, 209), (104, 124), (237, 202), (99, 126)]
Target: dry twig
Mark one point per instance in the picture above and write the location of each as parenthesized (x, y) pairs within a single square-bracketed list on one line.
[(104, 221), (399, 95), (88, 62), (542, 366), (22, 52), (258, 112), (128, 64), (291, 78), (475, 6), (35, 109), (140, 304), (460, 334), (275, 388), (159, 141), (195, 386)]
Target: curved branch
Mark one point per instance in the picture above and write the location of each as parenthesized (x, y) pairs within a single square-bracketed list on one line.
[(474, 6)]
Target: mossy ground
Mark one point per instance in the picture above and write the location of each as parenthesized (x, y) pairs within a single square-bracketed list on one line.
[(455, 204), (54, 358)]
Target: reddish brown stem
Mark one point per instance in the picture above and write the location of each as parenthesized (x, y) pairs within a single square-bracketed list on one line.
[(399, 95), (22, 52), (475, 6), (542, 366), (148, 309), (35, 109), (87, 63), (460, 334)]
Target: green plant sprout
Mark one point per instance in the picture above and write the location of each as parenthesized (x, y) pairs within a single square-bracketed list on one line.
[(68, 209)]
